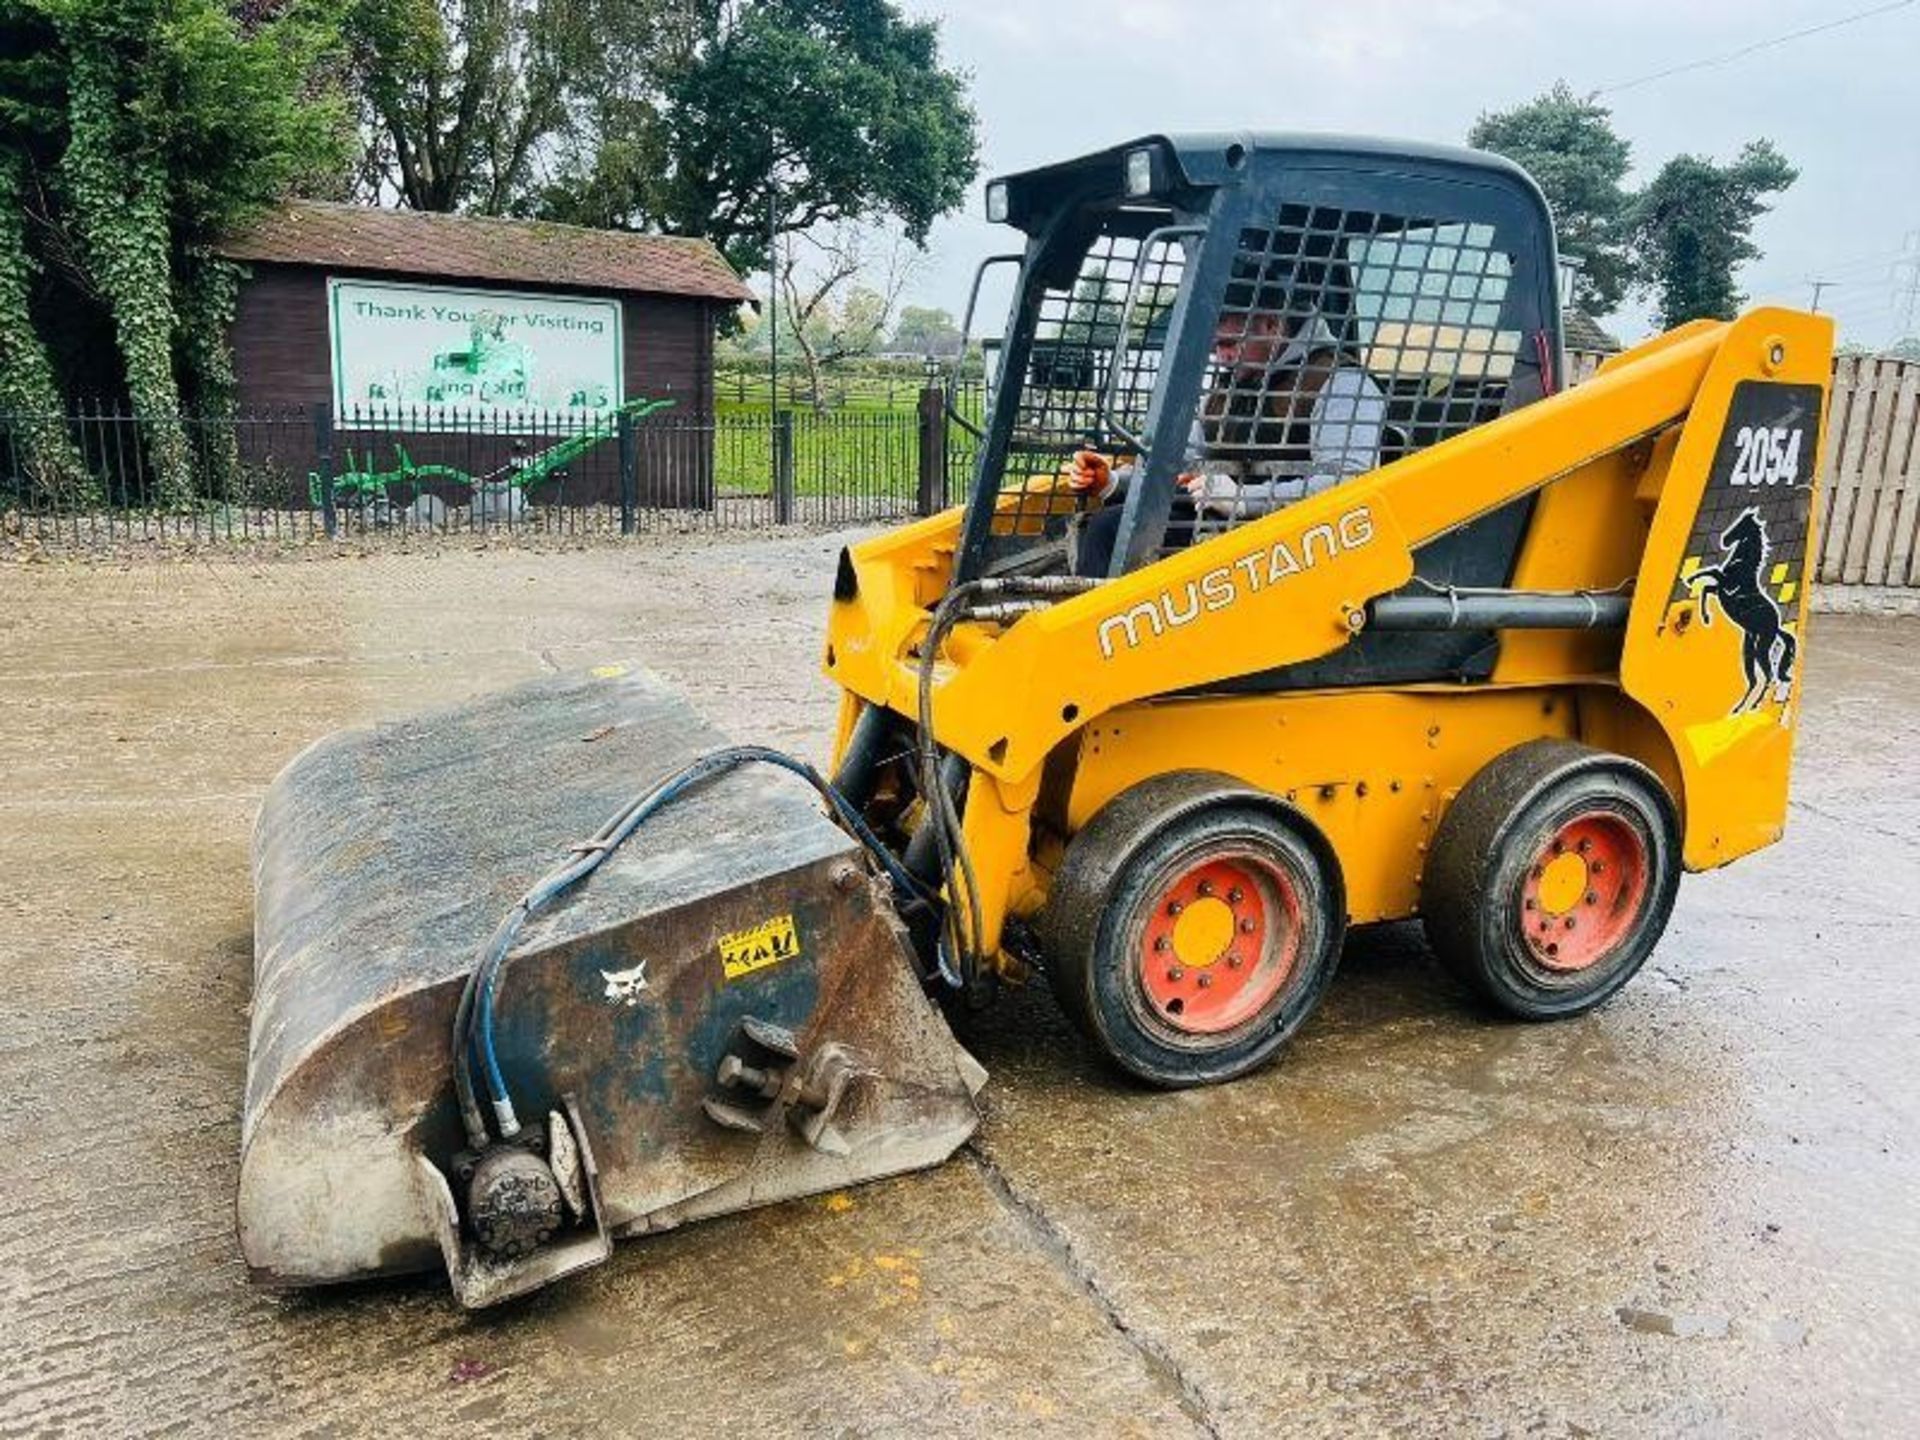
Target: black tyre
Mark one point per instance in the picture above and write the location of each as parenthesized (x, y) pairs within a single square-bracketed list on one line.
[(1192, 927), (1552, 876)]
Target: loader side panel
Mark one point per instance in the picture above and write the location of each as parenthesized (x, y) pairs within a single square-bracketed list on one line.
[(1371, 770), (1715, 644)]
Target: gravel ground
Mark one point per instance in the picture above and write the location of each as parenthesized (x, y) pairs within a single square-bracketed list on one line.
[(1690, 1212)]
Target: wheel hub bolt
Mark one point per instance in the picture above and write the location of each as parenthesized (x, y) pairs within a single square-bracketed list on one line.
[(1205, 887), (1569, 922), (1235, 895), (1233, 962), (1206, 981), (1593, 897), (1585, 846), (1174, 907), (1161, 944), (1558, 846), (1598, 867), (1246, 926), (1527, 904), (1176, 974)]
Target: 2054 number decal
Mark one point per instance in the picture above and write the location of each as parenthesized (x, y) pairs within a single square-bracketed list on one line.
[(1766, 455)]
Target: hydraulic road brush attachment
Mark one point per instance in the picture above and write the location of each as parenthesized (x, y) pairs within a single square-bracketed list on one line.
[(725, 1014)]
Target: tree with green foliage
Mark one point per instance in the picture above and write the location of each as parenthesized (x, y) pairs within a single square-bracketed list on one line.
[(140, 132), (114, 180), (1681, 239), (28, 391), (745, 116), (1567, 143), (686, 117), (926, 330), (1693, 227), (458, 97), (30, 84)]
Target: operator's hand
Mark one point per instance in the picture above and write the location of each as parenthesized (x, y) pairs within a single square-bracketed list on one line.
[(1209, 490), (1090, 474)]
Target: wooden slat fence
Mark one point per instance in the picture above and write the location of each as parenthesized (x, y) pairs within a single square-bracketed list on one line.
[(1871, 474), (1581, 364), (1869, 470)]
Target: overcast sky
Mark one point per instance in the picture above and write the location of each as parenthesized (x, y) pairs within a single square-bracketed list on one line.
[(1054, 78)]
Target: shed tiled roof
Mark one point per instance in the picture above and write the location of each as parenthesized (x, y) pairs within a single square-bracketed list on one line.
[(1582, 332), (476, 247)]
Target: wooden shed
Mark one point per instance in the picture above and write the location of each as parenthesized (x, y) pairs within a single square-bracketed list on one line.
[(474, 342)]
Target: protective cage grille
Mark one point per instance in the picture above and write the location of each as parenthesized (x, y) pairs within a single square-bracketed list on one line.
[(1085, 384), (1346, 339)]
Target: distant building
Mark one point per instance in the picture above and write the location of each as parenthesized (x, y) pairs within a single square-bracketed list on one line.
[(1583, 334)]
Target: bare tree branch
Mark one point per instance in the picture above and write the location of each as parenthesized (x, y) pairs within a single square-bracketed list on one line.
[(827, 313)]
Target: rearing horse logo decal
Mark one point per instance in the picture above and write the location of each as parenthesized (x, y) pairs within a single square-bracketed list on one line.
[(1736, 585)]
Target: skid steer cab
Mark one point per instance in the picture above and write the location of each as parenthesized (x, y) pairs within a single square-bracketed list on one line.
[(1294, 590)]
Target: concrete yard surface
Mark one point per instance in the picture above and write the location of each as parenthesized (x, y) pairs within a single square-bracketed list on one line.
[(1692, 1212)]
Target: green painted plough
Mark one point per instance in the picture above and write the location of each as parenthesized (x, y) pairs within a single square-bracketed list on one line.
[(359, 486)]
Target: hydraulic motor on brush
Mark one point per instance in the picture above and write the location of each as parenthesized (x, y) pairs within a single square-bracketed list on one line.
[(515, 1197)]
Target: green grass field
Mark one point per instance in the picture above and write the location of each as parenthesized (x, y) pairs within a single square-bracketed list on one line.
[(747, 392), (864, 443)]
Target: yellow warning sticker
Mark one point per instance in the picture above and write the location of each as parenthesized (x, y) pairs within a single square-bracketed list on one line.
[(1714, 738), (767, 943)]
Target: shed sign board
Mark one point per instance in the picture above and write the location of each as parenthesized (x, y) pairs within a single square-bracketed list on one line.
[(462, 357)]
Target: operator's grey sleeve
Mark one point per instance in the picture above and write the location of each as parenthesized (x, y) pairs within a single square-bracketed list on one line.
[(1190, 459), (1343, 436)]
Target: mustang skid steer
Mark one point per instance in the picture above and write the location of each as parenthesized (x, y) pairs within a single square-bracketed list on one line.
[(1378, 620)]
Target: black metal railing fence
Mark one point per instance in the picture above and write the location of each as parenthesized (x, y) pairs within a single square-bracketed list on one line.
[(103, 474)]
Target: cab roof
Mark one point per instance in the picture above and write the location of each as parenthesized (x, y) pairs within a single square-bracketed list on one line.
[(1211, 158)]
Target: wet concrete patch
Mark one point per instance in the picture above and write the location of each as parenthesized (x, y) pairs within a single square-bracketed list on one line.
[(1682, 1326)]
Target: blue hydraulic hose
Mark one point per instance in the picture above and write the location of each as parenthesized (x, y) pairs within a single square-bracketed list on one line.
[(474, 1032)]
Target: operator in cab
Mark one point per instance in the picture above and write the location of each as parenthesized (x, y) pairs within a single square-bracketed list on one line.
[(1289, 412)]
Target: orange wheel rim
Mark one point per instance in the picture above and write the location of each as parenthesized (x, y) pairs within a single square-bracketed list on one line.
[(1221, 941), (1583, 891)]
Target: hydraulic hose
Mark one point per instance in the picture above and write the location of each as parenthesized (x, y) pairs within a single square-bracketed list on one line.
[(948, 834), (1007, 598)]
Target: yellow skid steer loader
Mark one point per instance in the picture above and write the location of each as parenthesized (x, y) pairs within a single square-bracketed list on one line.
[(1293, 589)]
